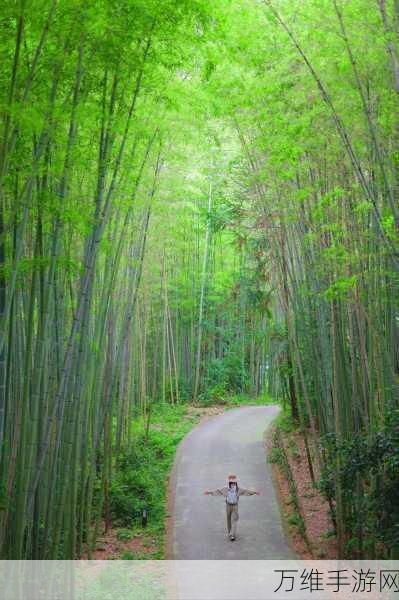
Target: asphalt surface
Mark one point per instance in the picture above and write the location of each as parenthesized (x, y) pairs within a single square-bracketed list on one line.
[(229, 443)]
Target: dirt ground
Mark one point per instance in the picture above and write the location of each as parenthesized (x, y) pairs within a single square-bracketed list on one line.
[(108, 546), (321, 542)]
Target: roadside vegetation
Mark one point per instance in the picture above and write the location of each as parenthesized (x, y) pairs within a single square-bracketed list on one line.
[(305, 511), (133, 525)]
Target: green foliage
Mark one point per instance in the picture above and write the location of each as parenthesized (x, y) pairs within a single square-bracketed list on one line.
[(285, 422), (224, 376), (275, 456), (124, 535), (341, 288), (375, 463), (297, 521), (140, 473)]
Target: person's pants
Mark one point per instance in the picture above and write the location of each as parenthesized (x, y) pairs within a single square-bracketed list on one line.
[(232, 518)]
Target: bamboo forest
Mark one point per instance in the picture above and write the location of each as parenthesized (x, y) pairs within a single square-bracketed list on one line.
[(198, 208)]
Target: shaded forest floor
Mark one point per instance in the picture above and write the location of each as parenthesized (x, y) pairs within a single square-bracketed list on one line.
[(305, 512)]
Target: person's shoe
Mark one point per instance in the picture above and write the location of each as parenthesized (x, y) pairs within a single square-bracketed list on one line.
[(232, 538)]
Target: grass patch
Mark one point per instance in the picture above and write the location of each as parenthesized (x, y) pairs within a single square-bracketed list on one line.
[(124, 535), (295, 521), (239, 400), (328, 535), (285, 422), (141, 472), (275, 456)]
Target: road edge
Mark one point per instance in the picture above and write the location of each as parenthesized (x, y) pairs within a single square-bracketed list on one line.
[(268, 445)]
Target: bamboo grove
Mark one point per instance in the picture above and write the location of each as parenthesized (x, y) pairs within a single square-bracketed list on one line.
[(320, 147), (197, 199), (92, 330)]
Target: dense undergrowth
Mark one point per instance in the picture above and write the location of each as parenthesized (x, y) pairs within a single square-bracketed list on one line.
[(368, 468), (141, 471)]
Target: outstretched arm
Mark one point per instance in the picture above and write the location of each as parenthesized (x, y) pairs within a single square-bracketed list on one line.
[(217, 492), (245, 492)]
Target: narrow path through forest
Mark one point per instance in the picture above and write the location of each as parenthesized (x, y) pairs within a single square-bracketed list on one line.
[(229, 443)]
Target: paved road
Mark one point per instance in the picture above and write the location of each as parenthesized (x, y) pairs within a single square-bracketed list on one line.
[(229, 443)]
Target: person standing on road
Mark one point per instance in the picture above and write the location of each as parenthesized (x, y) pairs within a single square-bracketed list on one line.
[(232, 494)]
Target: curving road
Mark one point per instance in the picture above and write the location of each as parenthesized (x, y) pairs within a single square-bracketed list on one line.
[(229, 443)]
